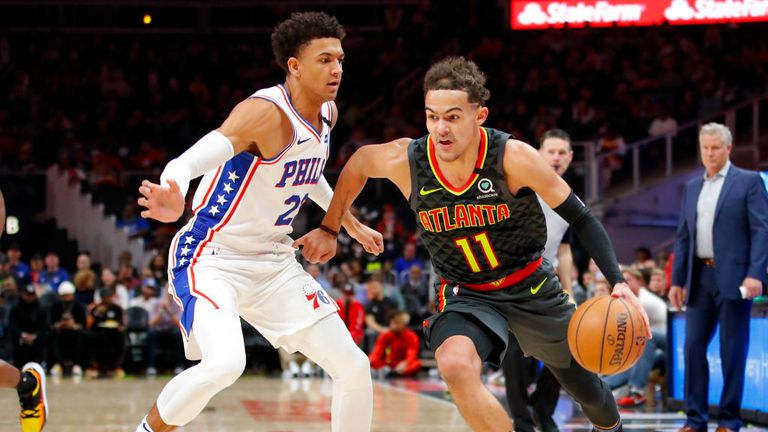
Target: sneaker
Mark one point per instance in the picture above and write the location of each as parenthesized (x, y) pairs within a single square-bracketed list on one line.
[(632, 400), (56, 370), (119, 373), (307, 370), (151, 371), (34, 406), (77, 371), (293, 367)]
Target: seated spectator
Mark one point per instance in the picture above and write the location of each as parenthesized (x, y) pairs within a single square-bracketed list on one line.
[(601, 286), (637, 376), (67, 332), (18, 267), (26, 326), (53, 275), (83, 262), (352, 312), (377, 312), (317, 274), (396, 353), (35, 268), (109, 281), (164, 334), (85, 285), (658, 284), (643, 258), (159, 269), (107, 333), (147, 298), (415, 293), (404, 263)]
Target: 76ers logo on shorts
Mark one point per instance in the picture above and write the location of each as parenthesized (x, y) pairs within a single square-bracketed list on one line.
[(315, 295)]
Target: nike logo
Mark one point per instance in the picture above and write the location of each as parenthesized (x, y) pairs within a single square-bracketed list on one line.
[(302, 141), (424, 192), (538, 287)]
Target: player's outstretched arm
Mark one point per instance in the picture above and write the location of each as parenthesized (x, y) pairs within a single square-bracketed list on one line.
[(378, 161), (247, 123), (524, 167)]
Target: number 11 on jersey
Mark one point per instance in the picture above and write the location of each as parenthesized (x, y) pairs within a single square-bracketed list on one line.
[(469, 255)]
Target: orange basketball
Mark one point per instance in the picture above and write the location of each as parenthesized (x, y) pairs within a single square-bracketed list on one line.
[(606, 335)]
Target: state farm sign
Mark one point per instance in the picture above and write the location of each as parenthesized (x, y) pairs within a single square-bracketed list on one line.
[(536, 14)]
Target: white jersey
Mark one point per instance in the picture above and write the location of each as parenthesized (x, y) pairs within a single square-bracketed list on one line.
[(248, 204)]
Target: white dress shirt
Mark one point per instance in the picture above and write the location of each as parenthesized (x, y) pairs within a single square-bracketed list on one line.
[(705, 211)]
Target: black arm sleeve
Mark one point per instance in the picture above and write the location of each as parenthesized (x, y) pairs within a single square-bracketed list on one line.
[(592, 235)]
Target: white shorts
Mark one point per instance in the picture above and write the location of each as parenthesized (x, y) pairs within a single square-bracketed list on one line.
[(271, 292)]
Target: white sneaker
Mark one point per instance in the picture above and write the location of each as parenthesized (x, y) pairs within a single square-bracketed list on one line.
[(293, 367), (56, 370), (77, 371), (151, 371), (307, 370)]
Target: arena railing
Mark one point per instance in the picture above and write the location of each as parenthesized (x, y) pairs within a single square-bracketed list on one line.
[(657, 158)]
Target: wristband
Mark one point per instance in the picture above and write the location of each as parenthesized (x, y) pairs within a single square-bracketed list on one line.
[(329, 231)]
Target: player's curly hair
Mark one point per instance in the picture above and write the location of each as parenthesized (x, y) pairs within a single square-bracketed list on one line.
[(458, 73), (291, 35)]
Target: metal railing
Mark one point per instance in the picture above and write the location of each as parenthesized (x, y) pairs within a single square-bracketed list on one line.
[(657, 158)]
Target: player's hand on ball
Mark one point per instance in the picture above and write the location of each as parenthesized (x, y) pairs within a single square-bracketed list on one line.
[(371, 240), (317, 246), (622, 291), (162, 203)]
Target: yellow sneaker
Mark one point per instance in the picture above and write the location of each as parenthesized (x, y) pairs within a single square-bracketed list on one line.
[(34, 406)]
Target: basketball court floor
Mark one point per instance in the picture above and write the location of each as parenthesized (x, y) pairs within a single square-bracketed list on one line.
[(256, 403)]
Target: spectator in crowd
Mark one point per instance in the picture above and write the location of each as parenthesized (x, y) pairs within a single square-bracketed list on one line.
[(132, 223), (18, 267), (352, 312), (127, 277), (377, 311), (415, 291), (147, 298), (53, 275), (601, 286), (85, 285), (391, 228), (658, 284), (109, 282), (643, 258), (83, 262), (164, 335), (67, 332), (404, 263), (27, 325), (315, 272), (107, 343), (637, 375), (663, 124), (36, 267), (396, 353), (721, 253), (159, 269)]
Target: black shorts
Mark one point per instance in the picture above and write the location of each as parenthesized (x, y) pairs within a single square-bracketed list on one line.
[(537, 310)]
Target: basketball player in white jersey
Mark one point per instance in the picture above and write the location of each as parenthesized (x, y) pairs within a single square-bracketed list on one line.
[(234, 257)]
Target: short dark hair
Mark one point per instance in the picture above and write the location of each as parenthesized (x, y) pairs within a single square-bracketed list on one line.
[(291, 35), (555, 133), (458, 73)]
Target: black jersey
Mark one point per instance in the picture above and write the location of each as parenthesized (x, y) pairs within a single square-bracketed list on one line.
[(479, 232)]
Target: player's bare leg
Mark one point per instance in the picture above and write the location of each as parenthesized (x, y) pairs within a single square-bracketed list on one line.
[(461, 367), (9, 375), (155, 423)]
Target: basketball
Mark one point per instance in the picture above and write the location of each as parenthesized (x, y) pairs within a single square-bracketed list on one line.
[(606, 335)]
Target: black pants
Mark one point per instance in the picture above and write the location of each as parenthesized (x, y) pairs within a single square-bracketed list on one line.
[(166, 344), (67, 347), (108, 348), (519, 372)]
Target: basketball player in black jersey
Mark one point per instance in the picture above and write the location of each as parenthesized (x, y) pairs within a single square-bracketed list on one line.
[(473, 190), (28, 382)]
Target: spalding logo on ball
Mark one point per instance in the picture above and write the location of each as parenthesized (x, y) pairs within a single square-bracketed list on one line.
[(606, 335)]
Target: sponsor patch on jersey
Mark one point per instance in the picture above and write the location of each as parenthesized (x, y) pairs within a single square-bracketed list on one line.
[(485, 186)]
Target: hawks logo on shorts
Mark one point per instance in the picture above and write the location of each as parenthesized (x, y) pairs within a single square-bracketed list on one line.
[(315, 295)]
